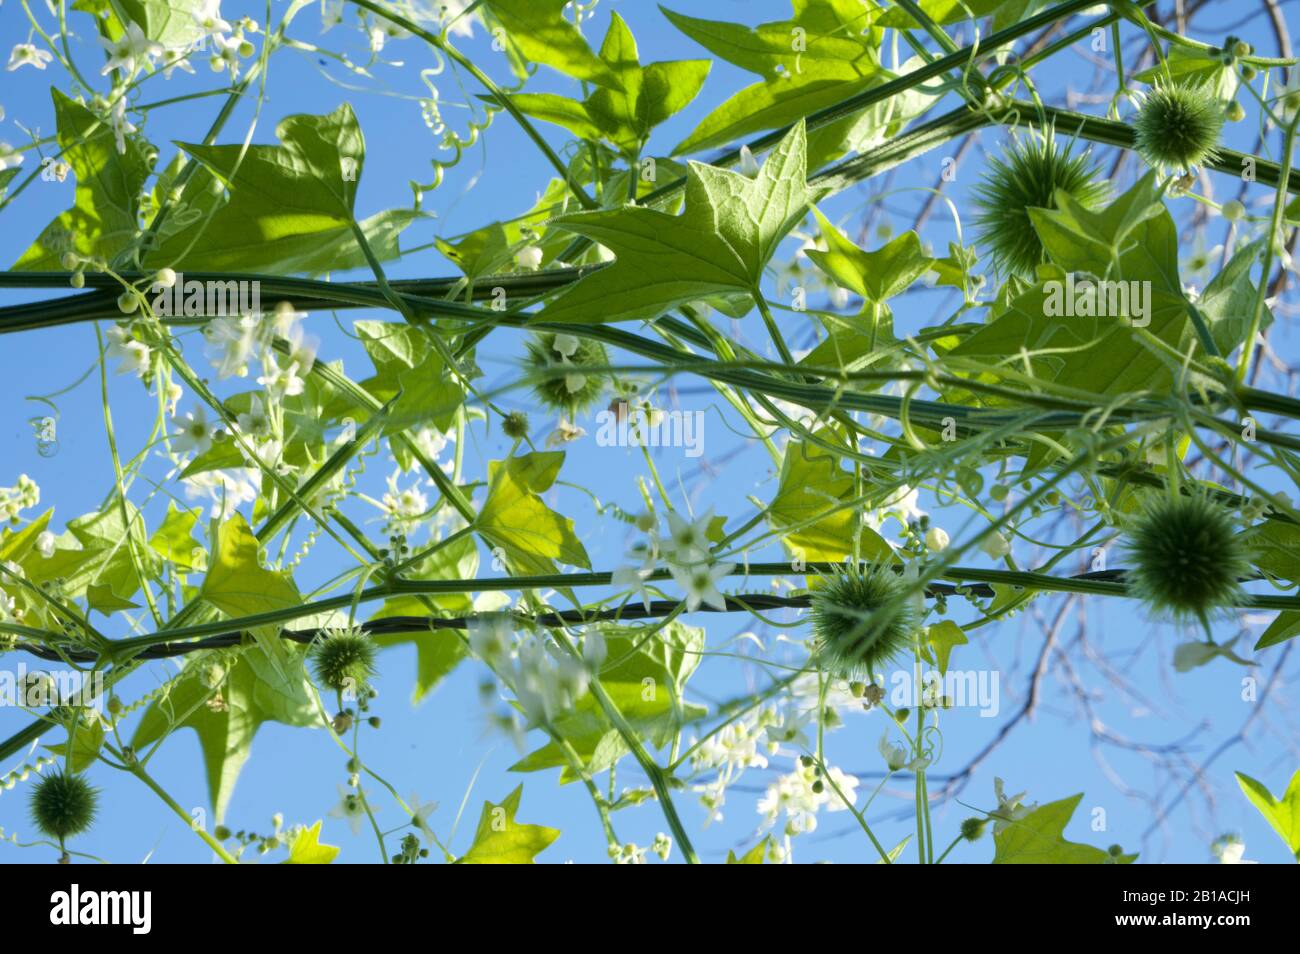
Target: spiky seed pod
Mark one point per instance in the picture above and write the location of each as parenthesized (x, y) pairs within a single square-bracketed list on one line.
[(1178, 126), (63, 805), (558, 361), (344, 660), (1027, 176), (972, 829), (515, 425), (1187, 557), (862, 619)]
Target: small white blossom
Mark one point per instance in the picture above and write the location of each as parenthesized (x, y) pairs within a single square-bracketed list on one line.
[(45, 542), (130, 51), (701, 584), (27, 54), (195, 433)]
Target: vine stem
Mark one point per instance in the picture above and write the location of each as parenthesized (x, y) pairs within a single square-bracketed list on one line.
[(139, 772), (1274, 239)]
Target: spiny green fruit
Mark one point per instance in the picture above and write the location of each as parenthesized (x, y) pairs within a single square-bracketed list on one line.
[(1187, 557), (862, 619), (572, 391), (1178, 126), (1026, 177), (515, 425), (344, 660), (972, 829), (63, 805)]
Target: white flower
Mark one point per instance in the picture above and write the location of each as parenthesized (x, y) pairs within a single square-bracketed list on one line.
[(331, 14), (195, 432), (662, 846), (1288, 101), (227, 489), (174, 59), (897, 757), (594, 649), (530, 257), (45, 544), (1009, 808), (225, 54), (230, 340), (936, 538), (733, 749), (26, 54), (688, 541), (135, 359), (995, 546), (121, 126), (420, 812), (404, 507), (490, 637), (131, 355), (635, 578), (701, 584), (1230, 850), (546, 685), (564, 433), (207, 16), (302, 347), (565, 345), (255, 421), (431, 443), (10, 158), (748, 165), (802, 793), (131, 50), (282, 382), (350, 808)]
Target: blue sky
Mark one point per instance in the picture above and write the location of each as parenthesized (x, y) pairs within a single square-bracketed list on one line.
[(444, 749)]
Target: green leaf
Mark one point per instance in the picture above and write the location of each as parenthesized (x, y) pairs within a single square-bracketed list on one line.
[(623, 117), (541, 33), (101, 556), (1038, 839), (491, 250), (100, 596), (875, 276), (1285, 627), (646, 679), (170, 23), (438, 651), (254, 691), (718, 246), (1274, 547), (500, 840), (1283, 814), (86, 743), (104, 215), (943, 12), (810, 507), (943, 636), (755, 856), (514, 518), (307, 849), (236, 582), (174, 539), (820, 57), (278, 209)]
